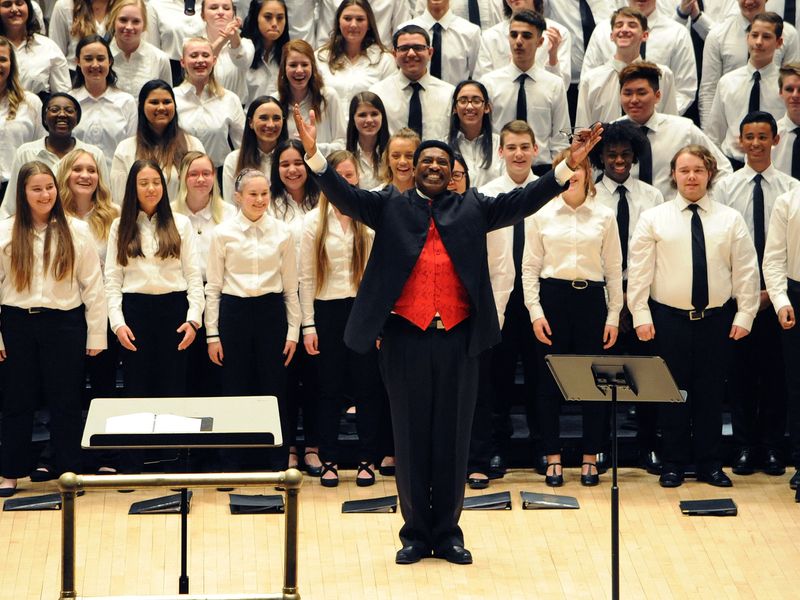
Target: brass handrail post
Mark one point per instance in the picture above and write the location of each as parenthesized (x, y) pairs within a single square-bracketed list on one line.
[(68, 484), (293, 479)]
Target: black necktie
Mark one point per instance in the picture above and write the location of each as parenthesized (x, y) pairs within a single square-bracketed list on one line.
[(759, 232), (623, 222), (522, 99), (474, 12), (796, 153), (699, 265), (646, 159), (587, 21), (697, 44), (755, 93), (519, 246), (789, 11), (436, 59), (643, 50), (415, 108)]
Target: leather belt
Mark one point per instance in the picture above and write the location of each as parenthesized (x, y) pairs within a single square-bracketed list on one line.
[(692, 315), (577, 284)]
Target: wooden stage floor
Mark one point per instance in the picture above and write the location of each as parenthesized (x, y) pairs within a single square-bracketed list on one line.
[(518, 554)]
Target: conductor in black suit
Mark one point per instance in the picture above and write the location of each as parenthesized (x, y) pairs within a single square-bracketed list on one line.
[(426, 293)]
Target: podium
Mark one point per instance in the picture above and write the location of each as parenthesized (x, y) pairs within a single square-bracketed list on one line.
[(611, 379), (182, 423)]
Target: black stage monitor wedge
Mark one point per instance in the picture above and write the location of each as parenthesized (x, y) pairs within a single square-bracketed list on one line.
[(718, 507), (387, 504), (242, 504), (497, 501), (46, 502), (535, 501), (164, 505)]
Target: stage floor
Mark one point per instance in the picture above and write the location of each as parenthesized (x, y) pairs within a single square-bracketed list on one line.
[(518, 554)]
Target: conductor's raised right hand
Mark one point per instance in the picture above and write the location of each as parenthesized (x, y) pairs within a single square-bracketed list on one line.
[(306, 130)]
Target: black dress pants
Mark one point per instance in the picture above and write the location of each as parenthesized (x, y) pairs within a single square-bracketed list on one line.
[(791, 355), (432, 382), (44, 351)]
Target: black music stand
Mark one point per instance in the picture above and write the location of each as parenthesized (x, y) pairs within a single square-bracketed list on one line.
[(222, 422), (627, 379)]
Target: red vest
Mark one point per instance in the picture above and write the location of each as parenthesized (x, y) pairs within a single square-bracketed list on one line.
[(433, 287)]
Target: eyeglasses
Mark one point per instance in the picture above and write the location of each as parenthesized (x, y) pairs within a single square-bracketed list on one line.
[(457, 175), (57, 110), (475, 101), (406, 48)]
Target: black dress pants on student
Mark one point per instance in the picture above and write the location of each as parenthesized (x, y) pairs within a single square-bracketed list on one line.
[(253, 334), (46, 351), (336, 365), (157, 368), (791, 356), (577, 320), (697, 354), (432, 382), (480, 446), (757, 386)]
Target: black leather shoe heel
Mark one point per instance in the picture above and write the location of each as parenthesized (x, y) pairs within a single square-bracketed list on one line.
[(554, 480), (590, 479)]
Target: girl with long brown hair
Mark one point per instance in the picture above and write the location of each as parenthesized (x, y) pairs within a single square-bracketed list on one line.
[(73, 20), (53, 314)]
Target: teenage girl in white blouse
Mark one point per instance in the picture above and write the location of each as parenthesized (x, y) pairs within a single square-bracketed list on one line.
[(234, 54), (367, 136), (267, 26)]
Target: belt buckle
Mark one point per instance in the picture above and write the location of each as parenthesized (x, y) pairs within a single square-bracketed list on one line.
[(696, 315), (439, 323), (580, 284), (33, 311)]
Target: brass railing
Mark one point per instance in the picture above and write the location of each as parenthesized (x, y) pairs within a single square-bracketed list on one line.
[(70, 483)]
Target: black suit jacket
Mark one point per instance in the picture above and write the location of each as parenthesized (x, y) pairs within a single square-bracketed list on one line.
[(401, 223)]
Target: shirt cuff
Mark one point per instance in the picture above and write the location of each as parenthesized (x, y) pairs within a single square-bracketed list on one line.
[(97, 341), (562, 172), (307, 330), (642, 317), (196, 316), (536, 313), (293, 334), (780, 301), (318, 164), (612, 319), (744, 320)]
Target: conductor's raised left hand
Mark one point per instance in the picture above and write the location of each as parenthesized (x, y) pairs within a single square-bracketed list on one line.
[(582, 143)]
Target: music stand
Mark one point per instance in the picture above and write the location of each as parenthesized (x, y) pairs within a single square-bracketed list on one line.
[(226, 422), (627, 379)]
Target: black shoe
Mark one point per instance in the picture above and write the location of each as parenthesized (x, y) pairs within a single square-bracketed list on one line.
[(716, 478), (773, 465), (458, 555), (313, 471), (795, 480), (554, 480), (41, 474), (478, 483), (670, 479), (603, 462), (327, 467), (386, 470), (408, 555), (540, 464), (363, 467), (590, 479), (744, 464), (7, 492), (651, 462), (497, 467)]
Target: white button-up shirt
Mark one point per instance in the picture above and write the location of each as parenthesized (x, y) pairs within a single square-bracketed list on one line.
[(26, 126), (106, 120), (248, 259), (389, 14), (59, 29), (472, 152), (262, 81), (168, 26), (150, 274), (491, 11), (145, 63), (232, 65), (229, 172), (660, 260), (42, 66), (782, 250), (568, 12), (203, 224), (331, 128), (85, 286), (782, 153)]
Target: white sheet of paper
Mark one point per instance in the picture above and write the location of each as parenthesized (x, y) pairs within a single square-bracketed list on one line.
[(176, 424), (132, 423)]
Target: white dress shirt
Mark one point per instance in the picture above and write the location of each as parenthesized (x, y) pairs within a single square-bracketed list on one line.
[(782, 153), (491, 11), (42, 66), (669, 44), (331, 128), (471, 151), (598, 94), (367, 177), (500, 247), (145, 63), (714, 11), (338, 277), (436, 98), (389, 14), (105, 120), (124, 158), (85, 286), (572, 243), (736, 191), (639, 194), (668, 134), (568, 12), (725, 49), (495, 51), (547, 107), (782, 250), (153, 275), (356, 76), (59, 29), (232, 65), (36, 150), (293, 217), (461, 41), (26, 126), (248, 259), (229, 172), (730, 105), (101, 245), (168, 26), (203, 224), (262, 81), (660, 260), (211, 118)]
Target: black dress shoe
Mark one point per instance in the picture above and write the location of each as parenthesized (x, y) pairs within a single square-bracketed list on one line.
[(408, 555), (497, 467), (41, 474), (773, 465), (651, 462), (590, 479), (603, 462), (386, 470), (716, 478), (478, 483), (670, 479), (458, 555), (795, 480), (311, 470), (744, 465), (7, 492), (554, 480)]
